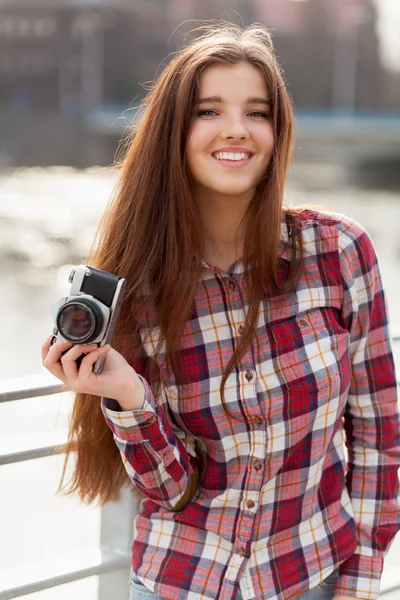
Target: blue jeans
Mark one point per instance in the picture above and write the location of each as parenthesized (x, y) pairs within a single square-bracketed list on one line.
[(323, 591)]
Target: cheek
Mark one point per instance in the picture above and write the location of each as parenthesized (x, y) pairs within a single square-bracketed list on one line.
[(200, 138), (265, 140), (191, 146), (193, 140), (197, 146)]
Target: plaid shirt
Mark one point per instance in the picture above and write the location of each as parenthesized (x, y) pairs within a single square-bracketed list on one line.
[(307, 482)]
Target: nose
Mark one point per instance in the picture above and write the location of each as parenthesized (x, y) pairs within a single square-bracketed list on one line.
[(235, 129)]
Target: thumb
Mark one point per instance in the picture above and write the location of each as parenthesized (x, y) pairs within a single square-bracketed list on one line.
[(86, 368)]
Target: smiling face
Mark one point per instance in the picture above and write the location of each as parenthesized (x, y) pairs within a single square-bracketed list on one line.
[(231, 141)]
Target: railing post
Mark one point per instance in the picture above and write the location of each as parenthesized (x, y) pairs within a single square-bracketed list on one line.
[(116, 534)]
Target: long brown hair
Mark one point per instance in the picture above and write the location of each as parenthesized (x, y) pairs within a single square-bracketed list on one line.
[(151, 234)]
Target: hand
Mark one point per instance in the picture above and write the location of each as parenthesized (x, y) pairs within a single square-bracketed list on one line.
[(116, 379)]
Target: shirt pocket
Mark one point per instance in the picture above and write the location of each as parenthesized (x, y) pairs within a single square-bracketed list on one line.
[(307, 350)]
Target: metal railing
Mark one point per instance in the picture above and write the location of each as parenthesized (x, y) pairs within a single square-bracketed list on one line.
[(111, 560)]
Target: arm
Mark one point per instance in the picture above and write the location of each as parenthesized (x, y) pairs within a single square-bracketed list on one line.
[(371, 419), (161, 463)]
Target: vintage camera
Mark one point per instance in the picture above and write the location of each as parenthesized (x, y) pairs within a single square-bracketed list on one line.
[(89, 313)]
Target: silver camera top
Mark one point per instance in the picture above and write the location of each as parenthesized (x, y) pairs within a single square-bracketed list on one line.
[(76, 277)]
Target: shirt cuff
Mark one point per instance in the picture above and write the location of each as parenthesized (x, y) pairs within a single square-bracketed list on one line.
[(360, 577), (127, 420)]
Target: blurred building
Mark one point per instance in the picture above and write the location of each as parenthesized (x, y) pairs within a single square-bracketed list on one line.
[(65, 58), (68, 55), (329, 52)]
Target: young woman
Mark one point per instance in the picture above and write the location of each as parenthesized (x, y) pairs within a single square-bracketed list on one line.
[(252, 347)]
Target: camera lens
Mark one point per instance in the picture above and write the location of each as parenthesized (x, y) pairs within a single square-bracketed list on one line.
[(79, 321)]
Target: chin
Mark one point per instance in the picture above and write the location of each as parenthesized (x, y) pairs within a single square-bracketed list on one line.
[(231, 188), (233, 191)]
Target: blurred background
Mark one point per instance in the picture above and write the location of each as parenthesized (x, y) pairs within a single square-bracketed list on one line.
[(72, 74)]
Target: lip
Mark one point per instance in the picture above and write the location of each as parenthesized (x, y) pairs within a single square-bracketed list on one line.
[(232, 164), (235, 149)]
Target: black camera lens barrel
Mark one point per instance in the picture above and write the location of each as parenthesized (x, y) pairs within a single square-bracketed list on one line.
[(80, 321)]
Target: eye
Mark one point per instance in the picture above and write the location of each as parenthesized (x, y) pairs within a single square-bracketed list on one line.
[(203, 112), (262, 114), (209, 113)]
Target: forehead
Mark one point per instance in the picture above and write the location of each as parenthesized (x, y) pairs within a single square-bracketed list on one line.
[(241, 79)]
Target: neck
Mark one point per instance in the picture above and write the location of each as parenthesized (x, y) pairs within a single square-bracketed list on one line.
[(221, 215)]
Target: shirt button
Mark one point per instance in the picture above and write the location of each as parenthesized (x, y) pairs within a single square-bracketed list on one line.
[(240, 330), (258, 421), (249, 375), (232, 285), (200, 495), (152, 420), (303, 323), (257, 465), (250, 503), (241, 551)]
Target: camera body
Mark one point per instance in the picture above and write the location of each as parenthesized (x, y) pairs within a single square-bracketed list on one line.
[(89, 313)]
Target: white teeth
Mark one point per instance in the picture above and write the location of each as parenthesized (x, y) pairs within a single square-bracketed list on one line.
[(231, 156)]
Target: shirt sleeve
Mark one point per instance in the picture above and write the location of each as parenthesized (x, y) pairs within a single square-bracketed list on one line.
[(160, 460), (371, 418)]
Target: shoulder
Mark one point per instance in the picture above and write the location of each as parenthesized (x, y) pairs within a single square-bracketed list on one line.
[(328, 225), (326, 231)]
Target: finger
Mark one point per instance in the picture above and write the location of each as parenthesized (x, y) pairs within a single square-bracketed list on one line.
[(57, 350), (86, 368), (68, 360), (46, 347), (52, 359)]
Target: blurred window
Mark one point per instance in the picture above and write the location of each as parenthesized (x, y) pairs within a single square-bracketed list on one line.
[(85, 24), (33, 63), (12, 26)]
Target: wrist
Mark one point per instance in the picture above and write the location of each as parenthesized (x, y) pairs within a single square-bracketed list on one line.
[(132, 396)]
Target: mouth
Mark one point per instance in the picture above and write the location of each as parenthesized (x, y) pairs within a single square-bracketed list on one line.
[(234, 160)]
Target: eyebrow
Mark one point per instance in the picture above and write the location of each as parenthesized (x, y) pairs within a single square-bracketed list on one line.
[(220, 100)]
